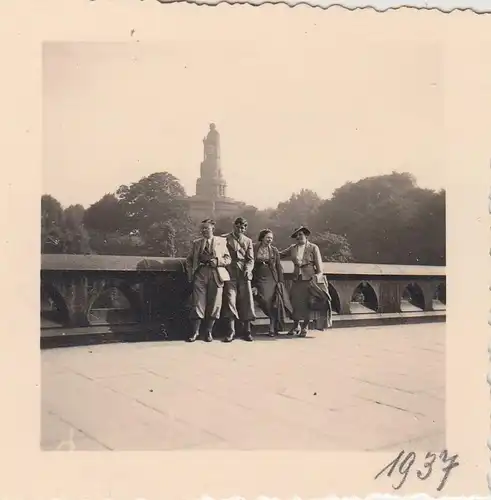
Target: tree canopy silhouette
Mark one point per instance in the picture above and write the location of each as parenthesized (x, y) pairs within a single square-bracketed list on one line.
[(62, 230), (146, 217), (380, 219), (388, 219)]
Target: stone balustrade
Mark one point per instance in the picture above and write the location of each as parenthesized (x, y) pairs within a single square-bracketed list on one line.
[(102, 296)]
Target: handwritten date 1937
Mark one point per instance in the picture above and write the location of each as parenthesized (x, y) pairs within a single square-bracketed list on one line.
[(404, 464)]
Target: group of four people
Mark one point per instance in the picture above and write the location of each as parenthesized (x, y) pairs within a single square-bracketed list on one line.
[(227, 272)]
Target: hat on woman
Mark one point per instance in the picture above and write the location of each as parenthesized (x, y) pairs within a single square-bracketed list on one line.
[(301, 229)]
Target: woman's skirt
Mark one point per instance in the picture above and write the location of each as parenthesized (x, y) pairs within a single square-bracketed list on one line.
[(266, 286), (300, 298)]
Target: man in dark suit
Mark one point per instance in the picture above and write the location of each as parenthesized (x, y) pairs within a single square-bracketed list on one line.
[(238, 302)]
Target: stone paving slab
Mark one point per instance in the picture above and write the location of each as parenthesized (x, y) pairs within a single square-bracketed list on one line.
[(367, 388)]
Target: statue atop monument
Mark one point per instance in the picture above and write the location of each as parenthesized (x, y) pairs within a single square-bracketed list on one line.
[(212, 143), (211, 183), (213, 133)]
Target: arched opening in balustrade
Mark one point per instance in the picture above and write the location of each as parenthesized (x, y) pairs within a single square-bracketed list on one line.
[(113, 306), (440, 298), (335, 301), (412, 299), (54, 312), (364, 299)]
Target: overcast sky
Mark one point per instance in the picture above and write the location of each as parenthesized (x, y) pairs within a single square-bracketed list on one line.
[(292, 112)]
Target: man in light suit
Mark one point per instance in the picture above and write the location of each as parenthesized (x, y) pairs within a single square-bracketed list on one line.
[(238, 302), (206, 267)]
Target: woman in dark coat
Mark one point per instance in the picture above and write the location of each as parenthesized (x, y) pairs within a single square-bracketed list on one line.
[(267, 279)]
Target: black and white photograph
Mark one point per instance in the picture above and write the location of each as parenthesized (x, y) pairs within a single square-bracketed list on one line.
[(243, 246)]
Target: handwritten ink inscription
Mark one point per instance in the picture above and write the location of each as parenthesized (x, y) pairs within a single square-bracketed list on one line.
[(404, 462)]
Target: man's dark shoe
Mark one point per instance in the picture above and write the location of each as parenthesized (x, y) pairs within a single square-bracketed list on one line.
[(231, 331)]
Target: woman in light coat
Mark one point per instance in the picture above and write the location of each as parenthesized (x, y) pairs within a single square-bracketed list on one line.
[(307, 265)]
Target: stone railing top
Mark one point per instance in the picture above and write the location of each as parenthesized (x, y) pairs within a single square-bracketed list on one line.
[(69, 262)]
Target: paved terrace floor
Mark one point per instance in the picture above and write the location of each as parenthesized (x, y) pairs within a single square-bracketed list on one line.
[(371, 388)]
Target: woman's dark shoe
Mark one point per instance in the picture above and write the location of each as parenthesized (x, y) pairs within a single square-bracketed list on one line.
[(303, 333), (193, 337), (229, 337), (248, 337), (294, 331), (209, 337)]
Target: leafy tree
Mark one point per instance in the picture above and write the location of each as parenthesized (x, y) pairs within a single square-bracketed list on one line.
[(152, 199), (383, 218), (115, 243), (333, 247), (151, 202), (298, 210), (62, 231), (75, 235), (74, 216), (427, 238), (52, 237), (104, 220), (148, 217), (161, 238), (105, 215)]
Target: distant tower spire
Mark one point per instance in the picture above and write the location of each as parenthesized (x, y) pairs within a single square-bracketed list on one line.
[(211, 183)]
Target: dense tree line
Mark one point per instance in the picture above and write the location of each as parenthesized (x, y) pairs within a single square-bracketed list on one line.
[(382, 219)]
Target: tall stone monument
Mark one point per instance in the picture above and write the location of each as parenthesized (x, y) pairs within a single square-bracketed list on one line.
[(211, 183), (211, 188)]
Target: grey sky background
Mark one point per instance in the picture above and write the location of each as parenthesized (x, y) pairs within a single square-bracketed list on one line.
[(293, 112)]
